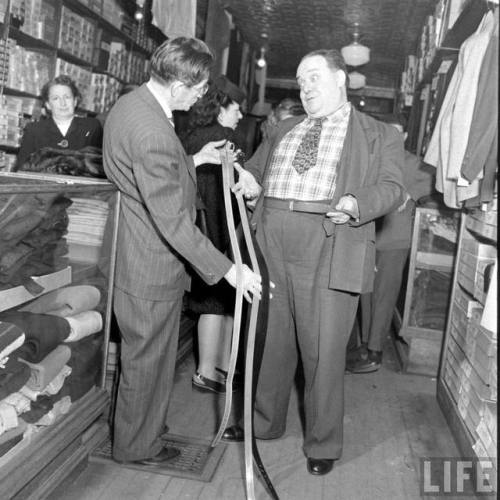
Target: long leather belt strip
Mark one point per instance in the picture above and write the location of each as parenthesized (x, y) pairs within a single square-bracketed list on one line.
[(254, 345), (226, 169), (252, 365)]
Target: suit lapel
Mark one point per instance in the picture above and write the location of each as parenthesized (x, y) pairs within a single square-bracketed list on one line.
[(356, 155)]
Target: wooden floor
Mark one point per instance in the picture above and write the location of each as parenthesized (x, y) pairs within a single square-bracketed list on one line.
[(391, 420)]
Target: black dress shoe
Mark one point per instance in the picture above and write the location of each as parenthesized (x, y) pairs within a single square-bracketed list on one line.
[(165, 455), (234, 434), (371, 363), (320, 466)]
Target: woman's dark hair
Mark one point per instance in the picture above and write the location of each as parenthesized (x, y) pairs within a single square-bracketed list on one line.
[(185, 59), (206, 110), (60, 80)]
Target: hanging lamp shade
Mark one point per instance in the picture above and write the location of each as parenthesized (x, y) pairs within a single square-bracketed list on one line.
[(355, 54), (356, 80)]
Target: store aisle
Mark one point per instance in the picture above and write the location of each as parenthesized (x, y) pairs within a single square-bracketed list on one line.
[(391, 420)]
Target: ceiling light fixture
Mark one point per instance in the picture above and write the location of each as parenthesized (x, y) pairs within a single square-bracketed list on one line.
[(261, 61), (356, 80), (139, 13), (355, 54)]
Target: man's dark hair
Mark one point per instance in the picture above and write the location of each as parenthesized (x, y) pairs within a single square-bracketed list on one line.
[(334, 60), (185, 59), (64, 80)]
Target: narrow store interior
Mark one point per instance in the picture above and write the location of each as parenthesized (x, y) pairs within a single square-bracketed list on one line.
[(359, 141)]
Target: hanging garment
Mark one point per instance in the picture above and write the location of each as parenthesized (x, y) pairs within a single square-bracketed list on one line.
[(448, 143), (175, 17)]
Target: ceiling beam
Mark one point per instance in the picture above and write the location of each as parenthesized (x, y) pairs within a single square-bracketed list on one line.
[(368, 91)]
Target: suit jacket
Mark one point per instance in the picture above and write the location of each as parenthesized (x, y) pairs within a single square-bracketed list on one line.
[(370, 169), (157, 235)]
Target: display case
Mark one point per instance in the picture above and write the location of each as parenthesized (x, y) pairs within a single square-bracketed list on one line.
[(57, 250), (428, 289)]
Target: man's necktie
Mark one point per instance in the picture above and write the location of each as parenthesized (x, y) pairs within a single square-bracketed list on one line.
[(307, 152)]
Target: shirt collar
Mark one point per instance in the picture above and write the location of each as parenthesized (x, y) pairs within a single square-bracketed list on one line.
[(338, 115), (157, 91)]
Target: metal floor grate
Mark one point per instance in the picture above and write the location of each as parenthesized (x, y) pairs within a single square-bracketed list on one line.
[(197, 460)]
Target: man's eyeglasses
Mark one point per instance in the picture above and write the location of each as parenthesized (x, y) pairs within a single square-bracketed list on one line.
[(200, 89)]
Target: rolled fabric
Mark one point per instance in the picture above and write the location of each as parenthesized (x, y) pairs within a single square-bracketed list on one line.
[(43, 333), (84, 324), (11, 338), (66, 301), (44, 372), (55, 386)]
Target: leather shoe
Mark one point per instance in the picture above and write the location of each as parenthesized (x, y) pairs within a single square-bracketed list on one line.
[(367, 364), (165, 455), (234, 434), (320, 466)]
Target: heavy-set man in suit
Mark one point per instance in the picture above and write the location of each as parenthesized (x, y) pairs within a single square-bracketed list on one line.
[(157, 239), (325, 177)]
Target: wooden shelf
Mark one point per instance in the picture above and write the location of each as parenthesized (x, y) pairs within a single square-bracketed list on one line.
[(29, 41), (37, 464)]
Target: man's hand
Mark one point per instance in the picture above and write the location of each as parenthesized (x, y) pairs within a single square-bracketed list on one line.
[(252, 282), (246, 185), (209, 153), (346, 208), (403, 205)]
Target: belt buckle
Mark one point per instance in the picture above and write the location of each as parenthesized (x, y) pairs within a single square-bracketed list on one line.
[(290, 205)]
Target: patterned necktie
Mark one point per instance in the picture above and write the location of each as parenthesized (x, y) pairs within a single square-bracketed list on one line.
[(307, 152)]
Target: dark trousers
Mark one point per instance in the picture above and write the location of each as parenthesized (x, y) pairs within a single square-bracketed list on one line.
[(307, 321), (377, 308), (149, 332)]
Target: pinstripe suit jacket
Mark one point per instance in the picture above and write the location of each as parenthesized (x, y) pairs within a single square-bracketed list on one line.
[(156, 238)]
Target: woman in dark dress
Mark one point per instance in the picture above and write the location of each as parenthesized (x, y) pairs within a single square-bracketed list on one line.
[(62, 129), (212, 118)]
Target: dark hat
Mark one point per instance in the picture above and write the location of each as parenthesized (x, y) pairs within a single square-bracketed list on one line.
[(223, 84)]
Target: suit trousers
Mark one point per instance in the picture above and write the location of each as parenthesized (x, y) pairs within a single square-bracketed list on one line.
[(377, 308), (307, 321), (149, 337)]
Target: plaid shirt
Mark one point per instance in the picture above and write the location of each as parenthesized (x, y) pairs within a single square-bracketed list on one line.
[(317, 183)]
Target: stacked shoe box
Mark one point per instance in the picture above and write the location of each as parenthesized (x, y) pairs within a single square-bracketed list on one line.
[(76, 35)]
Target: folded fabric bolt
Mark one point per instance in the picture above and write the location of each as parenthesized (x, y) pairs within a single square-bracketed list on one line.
[(84, 324), (55, 386), (60, 408), (66, 301), (43, 333), (8, 417), (19, 401), (44, 372), (39, 408), (11, 338)]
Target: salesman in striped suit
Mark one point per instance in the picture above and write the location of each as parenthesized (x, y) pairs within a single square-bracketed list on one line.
[(157, 239)]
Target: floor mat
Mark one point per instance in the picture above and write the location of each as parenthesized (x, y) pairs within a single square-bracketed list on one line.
[(198, 460)]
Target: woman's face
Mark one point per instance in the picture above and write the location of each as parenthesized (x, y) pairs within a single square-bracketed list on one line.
[(61, 103), (230, 115)]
